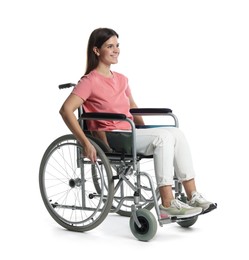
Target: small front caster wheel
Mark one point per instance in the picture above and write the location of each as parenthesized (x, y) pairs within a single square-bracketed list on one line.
[(148, 223)]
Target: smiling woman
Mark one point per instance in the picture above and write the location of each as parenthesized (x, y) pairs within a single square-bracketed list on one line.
[(195, 51), (108, 53), (102, 50), (103, 90)]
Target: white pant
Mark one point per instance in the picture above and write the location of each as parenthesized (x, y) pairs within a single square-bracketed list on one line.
[(170, 151)]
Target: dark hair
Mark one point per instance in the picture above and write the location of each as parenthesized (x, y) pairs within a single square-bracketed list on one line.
[(96, 39)]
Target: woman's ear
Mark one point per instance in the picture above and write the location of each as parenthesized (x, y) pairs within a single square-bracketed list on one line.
[(96, 50)]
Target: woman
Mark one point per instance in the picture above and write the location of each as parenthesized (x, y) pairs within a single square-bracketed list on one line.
[(103, 90)]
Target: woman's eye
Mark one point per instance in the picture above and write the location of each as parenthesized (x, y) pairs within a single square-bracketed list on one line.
[(112, 46)]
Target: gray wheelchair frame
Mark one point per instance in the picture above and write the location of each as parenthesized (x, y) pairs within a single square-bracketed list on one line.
[(125, 163)]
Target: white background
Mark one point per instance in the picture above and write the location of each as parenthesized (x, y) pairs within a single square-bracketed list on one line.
[(191, 56)]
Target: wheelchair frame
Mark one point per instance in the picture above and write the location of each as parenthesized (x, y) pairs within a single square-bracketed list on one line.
[(79, 194)]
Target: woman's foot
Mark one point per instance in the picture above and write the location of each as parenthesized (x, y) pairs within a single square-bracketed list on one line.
[(198, 200), (179, 209)]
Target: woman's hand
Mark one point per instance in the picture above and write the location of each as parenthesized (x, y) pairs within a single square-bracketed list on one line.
[(90, 152)]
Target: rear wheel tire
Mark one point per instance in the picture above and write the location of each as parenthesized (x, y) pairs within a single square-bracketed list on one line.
[(67, 185)]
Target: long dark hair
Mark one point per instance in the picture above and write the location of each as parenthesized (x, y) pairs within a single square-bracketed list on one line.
[(96, 39)]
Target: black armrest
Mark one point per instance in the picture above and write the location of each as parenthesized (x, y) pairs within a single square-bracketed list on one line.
[(109, 116), (150, 111), (67, 85)]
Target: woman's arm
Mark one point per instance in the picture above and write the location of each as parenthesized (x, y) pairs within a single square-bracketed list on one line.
[(138, 120), (67, 112)]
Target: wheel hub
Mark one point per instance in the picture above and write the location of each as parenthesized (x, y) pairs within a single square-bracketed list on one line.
[(74, 182)]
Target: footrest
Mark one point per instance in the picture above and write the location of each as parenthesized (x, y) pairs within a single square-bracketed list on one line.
[(185, 219), (167, 220), (175, 219)]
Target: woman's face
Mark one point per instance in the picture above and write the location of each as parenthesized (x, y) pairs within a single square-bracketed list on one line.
[(109, 51)]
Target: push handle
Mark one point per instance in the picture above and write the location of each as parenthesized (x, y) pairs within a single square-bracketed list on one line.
[(67, 85)]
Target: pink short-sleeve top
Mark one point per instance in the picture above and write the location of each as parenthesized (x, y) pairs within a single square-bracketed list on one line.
[(108, 95)]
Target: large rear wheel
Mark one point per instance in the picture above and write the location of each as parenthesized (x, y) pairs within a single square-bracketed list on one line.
[(67, 185)]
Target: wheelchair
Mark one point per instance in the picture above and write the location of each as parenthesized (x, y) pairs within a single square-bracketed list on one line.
[(79, 194)]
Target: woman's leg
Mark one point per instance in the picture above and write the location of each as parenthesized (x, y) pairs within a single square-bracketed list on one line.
[(165, 146), (189, 187), (171, 154), (166, 195), (183, 164), (160, 143)]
